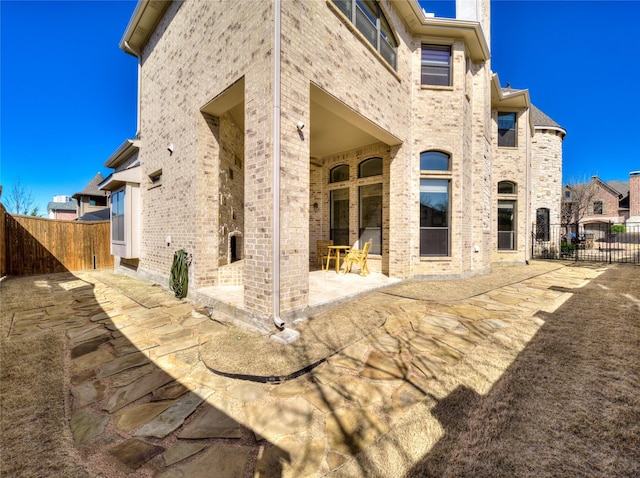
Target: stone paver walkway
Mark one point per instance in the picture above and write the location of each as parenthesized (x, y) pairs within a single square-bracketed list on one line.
[(144, 404)]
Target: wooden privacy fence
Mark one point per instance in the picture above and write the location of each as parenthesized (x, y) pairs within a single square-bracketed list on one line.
[(36, 245)]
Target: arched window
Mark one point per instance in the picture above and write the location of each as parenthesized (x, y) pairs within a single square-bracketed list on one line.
[(435, 204), (339, 173), (370, 167), (368, 18), (507, 187), (435, 161)]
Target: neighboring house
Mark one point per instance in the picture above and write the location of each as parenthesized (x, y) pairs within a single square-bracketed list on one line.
[(633, 199), (62, 207), (92, 200), (265, 127), (597, 202)]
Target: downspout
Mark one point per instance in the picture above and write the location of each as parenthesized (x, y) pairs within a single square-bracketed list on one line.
[(279, 323), (138, 55)]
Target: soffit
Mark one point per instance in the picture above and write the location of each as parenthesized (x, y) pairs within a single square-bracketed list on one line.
[(124, 152), (143, 21), (230, 100), (516, 99), (120, 178), (419, 25), (335, 127)]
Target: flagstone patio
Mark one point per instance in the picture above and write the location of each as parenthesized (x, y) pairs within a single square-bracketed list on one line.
[(143, 402)]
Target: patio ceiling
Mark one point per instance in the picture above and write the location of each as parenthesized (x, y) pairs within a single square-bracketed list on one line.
[(335, 127)]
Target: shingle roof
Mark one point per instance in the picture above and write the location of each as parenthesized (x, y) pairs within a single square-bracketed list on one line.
[(62, 206), (621, 186), (99, 215), (541, 119), (92, 189)]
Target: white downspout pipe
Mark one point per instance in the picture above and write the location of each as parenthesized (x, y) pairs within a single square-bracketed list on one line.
[(279, 323), (138, 55)]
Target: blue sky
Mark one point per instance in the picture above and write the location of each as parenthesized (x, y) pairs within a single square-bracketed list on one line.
[(68, 93)]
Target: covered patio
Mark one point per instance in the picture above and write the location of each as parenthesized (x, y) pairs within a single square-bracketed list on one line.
[(327, 289)]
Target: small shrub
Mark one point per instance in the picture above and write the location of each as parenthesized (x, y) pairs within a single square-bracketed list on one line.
[(618, 229)]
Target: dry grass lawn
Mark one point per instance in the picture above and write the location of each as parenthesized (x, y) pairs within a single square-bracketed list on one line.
[(569, 405), (35, 440)]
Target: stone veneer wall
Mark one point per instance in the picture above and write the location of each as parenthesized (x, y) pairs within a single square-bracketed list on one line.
[(546, 173)]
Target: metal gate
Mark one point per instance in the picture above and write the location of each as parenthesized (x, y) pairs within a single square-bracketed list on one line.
[(598, 242)]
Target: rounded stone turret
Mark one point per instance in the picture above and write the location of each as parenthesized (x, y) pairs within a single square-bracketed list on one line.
[(546, 165)]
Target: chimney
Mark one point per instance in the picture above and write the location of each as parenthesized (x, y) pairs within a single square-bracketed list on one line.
[(476, 11), (634, 194)]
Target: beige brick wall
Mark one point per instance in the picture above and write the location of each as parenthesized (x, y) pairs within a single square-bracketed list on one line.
[(187, 62), (352, 159), (512, 164), (634, 195), (219, 178), (319, 47)]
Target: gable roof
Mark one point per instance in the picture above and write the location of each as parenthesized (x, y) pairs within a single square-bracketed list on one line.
[(595, 180), (92, 189), (621, 186)]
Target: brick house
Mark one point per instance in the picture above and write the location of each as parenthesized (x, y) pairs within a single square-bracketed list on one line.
[(262, 130), (62, 207), (597, 202)]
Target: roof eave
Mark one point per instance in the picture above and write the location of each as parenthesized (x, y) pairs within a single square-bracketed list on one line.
[(516, 99), (560, 130), (142, 23), (470, 32), (124, 151)]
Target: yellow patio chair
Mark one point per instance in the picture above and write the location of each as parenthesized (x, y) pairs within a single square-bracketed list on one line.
[(359, 256), (322, 251)]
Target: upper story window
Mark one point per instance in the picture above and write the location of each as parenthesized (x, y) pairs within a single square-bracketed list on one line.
[(369, 19), (506, 187), (434, 161), (507, 129), (370, 167), (597, 207), (339, 173), (436, 65)]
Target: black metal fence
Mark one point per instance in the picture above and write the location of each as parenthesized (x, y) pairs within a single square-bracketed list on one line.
[(598, 242)]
